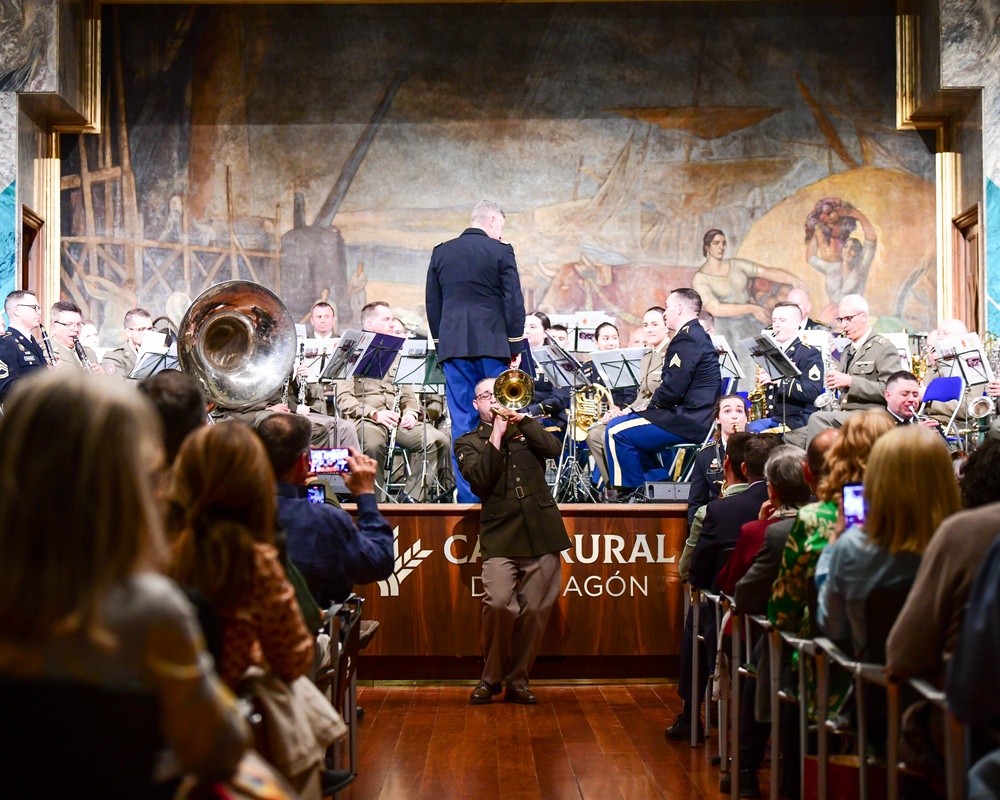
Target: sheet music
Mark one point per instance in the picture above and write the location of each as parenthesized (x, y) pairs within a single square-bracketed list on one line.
[(619, 369), (964, 355), (769, 355), (318, 353), (728, 362)]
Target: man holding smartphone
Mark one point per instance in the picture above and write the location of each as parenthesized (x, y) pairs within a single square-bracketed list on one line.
[(329, 549)]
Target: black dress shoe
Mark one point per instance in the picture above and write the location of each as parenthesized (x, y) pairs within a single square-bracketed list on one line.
[(524, 696), (680, 731), (484, 693), (749, 786), (333, 780)]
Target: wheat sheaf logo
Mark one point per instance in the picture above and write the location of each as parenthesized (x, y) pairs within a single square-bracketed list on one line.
[(402, 566)]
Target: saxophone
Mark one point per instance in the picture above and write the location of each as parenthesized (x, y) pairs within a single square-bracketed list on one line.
[(392, 436), (757, 400)]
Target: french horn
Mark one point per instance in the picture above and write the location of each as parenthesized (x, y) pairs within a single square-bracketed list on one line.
[(238, 340)]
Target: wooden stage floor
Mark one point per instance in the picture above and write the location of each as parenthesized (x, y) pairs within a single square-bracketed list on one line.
[(586, 742)]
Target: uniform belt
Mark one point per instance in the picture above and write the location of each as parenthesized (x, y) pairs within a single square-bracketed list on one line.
[(526, 491)]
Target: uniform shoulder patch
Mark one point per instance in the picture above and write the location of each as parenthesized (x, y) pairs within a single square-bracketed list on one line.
[(709, 444), (675, 360), (814, 373), (109, 368), (4, 370)]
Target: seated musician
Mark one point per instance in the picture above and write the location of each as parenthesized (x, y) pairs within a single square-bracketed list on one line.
[(121, 361), (680, 411), (606, 338), (560, 335), (707, 476), (942, 411), (654, 329), (323, 320), (790, 401), (866, 364), (548, 402), (377, 407), (67, 321)]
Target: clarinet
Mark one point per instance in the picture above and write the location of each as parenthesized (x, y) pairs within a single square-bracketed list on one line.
[(81, 354), (392, 436), (47, 343), (302, 408)]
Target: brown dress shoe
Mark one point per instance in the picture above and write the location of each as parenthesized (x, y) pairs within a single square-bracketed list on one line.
[(484, 693), (525, 696)]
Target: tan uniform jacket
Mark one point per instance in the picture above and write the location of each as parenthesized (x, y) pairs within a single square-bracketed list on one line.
[(870, 368), (650, 370), (361, 397)]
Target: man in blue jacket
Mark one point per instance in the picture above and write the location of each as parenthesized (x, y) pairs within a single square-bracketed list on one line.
[(331, 552), (681, 409), (476, 313)]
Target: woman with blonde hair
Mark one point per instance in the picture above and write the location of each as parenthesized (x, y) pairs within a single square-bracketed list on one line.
[(909, 488), (101, 660), (223, 493)]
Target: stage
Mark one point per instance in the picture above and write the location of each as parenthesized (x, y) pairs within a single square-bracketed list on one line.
[(619, 614)]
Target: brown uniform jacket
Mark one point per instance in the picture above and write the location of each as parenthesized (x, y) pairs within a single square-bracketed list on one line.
[(119, 362), (519, 517), (67, 355)]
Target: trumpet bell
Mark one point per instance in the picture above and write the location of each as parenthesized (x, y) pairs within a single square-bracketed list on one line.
[(238, 340), (513, 389)]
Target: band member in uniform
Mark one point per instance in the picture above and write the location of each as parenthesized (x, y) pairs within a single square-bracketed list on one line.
[(790, 401), (67, 321), (20, 354), (606, 338), (867, 364), (121, 360), (521, 534), (548, 402), (707, 476), (654, 328), (323, 320), (801, 298), (376, 409), (681, 409), (476, 314)]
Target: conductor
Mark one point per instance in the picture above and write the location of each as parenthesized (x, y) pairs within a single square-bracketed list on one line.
[(476, 314), (521, 534)]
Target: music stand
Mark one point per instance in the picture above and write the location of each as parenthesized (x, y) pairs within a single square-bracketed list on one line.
[(728, 363), (619, 369), (769, 356), (154, 359), (965, 355), (419, 368), (564, 371)]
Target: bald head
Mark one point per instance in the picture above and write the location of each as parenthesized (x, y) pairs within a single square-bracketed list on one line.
[(801, 298)]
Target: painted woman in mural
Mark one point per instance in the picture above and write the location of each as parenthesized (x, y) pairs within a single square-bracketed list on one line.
[(831, 249), (724, 283)]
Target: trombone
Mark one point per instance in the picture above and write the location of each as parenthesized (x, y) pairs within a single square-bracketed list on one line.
[(513, 389)]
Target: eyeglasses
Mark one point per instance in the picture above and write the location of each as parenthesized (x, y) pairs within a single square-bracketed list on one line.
[(76, 325), (29, 305), (140, 330), (484, 396), (848, 318)]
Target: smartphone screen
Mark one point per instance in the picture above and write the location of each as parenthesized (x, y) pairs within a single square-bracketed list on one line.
[(854, 504), (328, 459), (316, 493)]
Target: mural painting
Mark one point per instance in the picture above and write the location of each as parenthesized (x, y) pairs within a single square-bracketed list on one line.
[(324, 151)]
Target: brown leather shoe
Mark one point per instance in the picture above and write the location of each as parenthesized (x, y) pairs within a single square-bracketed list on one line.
[(484, 693), (525, 696)]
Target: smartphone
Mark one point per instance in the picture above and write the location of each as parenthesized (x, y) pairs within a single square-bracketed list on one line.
[(854, 504), (316, 493), (328, 459)]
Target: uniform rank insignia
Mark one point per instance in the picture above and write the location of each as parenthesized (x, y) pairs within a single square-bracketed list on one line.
[(675, 361), (814, 374), (461, 457), (4, 370)]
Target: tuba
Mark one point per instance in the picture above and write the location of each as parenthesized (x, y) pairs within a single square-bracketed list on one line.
[(513, 389), (238, 340)]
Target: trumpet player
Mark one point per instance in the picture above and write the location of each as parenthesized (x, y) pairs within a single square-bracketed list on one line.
[(902, 399), (789, 401), (67, 321), (20, 353), (521, 534)]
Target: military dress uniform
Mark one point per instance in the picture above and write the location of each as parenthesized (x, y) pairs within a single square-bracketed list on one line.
[(650, 373), (67, 355), (358, 400), (547, 401), (706, 477), (475, 310), (680, 411), (119, 362), (791, 401), (869, 366), (521, 534), (19, 356)]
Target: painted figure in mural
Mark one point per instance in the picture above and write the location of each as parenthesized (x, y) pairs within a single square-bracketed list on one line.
[(20, 353), (724, 282), (476, 313), (117, 301), (831, 249), (356, 291)]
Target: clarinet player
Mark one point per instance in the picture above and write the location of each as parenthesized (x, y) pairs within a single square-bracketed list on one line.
[(67, 320)]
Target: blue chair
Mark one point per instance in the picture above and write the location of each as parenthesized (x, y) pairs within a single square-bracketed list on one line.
[(944, 390)]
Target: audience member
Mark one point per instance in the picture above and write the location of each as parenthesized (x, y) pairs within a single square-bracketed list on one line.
[(324, 543), (180, 403), (909, 489), (81, 608), (980, 480), (224, 549)]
